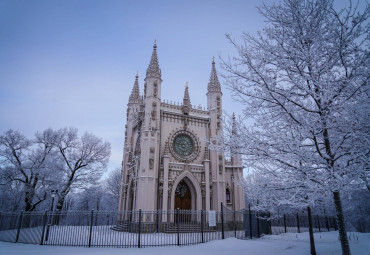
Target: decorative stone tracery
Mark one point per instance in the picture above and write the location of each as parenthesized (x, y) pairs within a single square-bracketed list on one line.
[(184, 145)]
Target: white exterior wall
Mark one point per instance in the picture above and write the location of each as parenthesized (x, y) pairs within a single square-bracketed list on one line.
[(159, 170)]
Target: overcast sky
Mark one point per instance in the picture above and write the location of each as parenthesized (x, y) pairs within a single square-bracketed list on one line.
[(73, 63)]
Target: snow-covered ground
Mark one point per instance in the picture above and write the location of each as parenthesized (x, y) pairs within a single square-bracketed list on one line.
[(285, 244)]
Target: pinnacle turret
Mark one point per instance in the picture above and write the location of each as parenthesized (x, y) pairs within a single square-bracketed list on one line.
[(186, 105), (233, 129), (214, 84), (153, 68), (135, 93), (186, 100)]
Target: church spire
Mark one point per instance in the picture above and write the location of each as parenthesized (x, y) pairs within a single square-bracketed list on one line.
[(186, 105), (135, 93), (214, 84), (153, 68), (233, 129)]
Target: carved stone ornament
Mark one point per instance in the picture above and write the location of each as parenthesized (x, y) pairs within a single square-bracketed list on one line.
[(166, 149), (206, 154)]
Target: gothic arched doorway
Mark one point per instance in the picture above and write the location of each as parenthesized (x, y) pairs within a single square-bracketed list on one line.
[(183, 196), (183, 201)]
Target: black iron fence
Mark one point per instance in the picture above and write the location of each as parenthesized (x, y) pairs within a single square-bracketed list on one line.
[(149, 228)]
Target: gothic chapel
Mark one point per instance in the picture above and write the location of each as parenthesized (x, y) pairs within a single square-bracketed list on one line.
[(166, 160)]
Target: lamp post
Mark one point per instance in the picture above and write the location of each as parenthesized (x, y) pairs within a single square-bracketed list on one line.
[(53, 194)]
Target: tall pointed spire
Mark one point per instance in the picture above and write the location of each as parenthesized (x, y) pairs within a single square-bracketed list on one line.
[(135, 93), (186, 105), (214, 84), (233, 129), (153, 68)]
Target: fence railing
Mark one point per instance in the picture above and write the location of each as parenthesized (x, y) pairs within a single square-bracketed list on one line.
[(148, 228)]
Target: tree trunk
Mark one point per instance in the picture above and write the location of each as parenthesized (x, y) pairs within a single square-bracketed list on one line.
[(312, 240), (60, 202), (341, 227), (27, 201)]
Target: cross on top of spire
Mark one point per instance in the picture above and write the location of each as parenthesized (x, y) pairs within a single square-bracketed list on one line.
[(153, 68), (214, 84)]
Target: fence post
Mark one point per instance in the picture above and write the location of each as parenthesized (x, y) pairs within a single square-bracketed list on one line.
[(139, 230), (318, 222), (45, 218), (201, 225), (178, 226), (158, 221), (91, 226), (327, 222), (222, 221), (234, 224), (298, 227), (270, 224), (250, 222), (335, 223), (19, 226), (284, 223), (48, 227), (258, 224)]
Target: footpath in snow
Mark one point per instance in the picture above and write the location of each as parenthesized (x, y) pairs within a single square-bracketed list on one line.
[(285, 244)]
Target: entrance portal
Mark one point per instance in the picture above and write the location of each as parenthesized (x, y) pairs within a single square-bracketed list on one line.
[(183, 201)]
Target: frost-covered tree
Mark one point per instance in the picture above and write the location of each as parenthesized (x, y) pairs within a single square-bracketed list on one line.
[(82, 160), (277, 196), (11, 195), (113, 182), (304, 81), (26, 167), (356, 206), (112, 186)]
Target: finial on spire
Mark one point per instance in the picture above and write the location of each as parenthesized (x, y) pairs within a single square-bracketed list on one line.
[(153, 69), (214, 84)]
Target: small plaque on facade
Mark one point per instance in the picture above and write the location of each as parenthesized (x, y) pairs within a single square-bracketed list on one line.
[(212, 218)]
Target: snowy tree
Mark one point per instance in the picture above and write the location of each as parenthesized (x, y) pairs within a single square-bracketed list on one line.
[(304, 81), (82, 160), (113, 182), (112, 187), (11, 194), (275, 195), (26, 165)]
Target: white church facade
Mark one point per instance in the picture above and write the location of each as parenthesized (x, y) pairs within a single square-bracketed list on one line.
[(167, 163)]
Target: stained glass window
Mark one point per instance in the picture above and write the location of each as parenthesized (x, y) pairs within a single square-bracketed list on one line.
[(183, 145)]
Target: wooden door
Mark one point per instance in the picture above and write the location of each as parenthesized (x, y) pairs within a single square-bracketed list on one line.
[(183, 201)]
